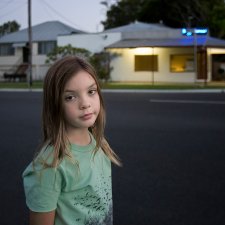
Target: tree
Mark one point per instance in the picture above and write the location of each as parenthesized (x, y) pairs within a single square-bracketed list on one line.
[(173, 13), (217, 21), (100, 61), (60, 52), (122, 13), (9, 27)]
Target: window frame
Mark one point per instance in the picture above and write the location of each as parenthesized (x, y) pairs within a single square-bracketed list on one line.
[(152, 67), (188, 56), (7, 49), (45, 47)]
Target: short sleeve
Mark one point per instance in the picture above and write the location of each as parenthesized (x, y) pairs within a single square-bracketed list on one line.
[(42, 188)]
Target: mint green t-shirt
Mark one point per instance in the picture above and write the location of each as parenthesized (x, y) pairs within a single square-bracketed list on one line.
[(81, 195)]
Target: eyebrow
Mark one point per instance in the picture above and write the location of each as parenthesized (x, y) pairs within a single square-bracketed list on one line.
[(91, 86)]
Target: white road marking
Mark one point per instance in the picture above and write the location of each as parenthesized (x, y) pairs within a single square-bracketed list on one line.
[(187, 101)]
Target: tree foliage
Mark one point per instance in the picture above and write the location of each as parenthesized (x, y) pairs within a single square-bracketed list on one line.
[(99, 61), (122, 13), (9, 27), (60, 52), (173, 13)]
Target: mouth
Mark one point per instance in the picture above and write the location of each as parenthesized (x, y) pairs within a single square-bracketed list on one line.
[(87, 116)]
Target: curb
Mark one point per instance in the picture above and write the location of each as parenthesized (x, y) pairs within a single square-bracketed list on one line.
[(126, 90)]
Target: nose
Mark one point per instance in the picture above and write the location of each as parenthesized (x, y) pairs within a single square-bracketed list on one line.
[(85, 106), (84, 103)]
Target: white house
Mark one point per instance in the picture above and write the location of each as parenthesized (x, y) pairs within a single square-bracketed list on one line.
[(156, 53), (14, 47), (163, 54)]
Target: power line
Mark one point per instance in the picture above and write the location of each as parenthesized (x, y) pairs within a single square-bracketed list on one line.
[(60, 15), (47, 11), (7, 3), (13, 10)]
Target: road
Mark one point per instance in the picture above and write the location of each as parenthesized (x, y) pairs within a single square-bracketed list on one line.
[(172, 146)]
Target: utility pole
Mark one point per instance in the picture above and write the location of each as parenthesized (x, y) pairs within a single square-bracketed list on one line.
[(195, 44), (30, 45), (153, 67), (195, 54)]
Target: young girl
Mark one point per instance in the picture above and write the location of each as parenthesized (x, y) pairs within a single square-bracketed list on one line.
[(69, 181)]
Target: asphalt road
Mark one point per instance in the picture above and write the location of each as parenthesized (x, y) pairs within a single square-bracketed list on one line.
[(172, 147)]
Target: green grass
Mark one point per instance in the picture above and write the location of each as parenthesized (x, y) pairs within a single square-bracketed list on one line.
[(20, 85), (163, 86), (117, 85)]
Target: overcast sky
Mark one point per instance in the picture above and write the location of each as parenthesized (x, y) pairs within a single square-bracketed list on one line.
[(84, 15)]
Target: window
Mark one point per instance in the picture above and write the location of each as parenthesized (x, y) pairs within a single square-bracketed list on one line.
[(146, 63), (182, 63), (6, 50), (46, 47)]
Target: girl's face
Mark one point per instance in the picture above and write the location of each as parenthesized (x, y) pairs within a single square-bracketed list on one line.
[(81, 102)]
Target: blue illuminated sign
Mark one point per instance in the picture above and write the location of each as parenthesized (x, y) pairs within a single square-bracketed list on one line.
[(191, 31)]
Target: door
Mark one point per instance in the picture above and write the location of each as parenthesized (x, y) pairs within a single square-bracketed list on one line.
[(202, 64), (218, 67), (25, 54)]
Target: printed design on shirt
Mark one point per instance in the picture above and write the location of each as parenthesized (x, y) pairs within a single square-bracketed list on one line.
[(106, 220), (95, 203)]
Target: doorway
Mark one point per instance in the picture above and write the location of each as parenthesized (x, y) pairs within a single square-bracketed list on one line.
[(25, 54), (202, 64), (218, 67)]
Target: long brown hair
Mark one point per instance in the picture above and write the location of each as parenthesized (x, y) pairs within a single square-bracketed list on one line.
[(53, 124)]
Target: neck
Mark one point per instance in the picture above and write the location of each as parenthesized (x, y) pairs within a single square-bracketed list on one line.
[(79, 137)]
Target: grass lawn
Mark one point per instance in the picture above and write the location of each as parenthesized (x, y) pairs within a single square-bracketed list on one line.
[(115, 85), (20, 85), (163, 86)]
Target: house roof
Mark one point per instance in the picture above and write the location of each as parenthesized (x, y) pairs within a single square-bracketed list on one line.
[(47, 31), (170, 42), (138, 26)]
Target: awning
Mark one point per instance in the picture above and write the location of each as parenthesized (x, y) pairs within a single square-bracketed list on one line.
[(21, 44)]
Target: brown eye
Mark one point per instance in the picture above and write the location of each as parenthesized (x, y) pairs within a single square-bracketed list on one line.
[(70, 98), (92, 91)]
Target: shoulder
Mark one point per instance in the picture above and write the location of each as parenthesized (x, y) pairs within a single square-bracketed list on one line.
[(42, 185), (43, 158), (40, 171)]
